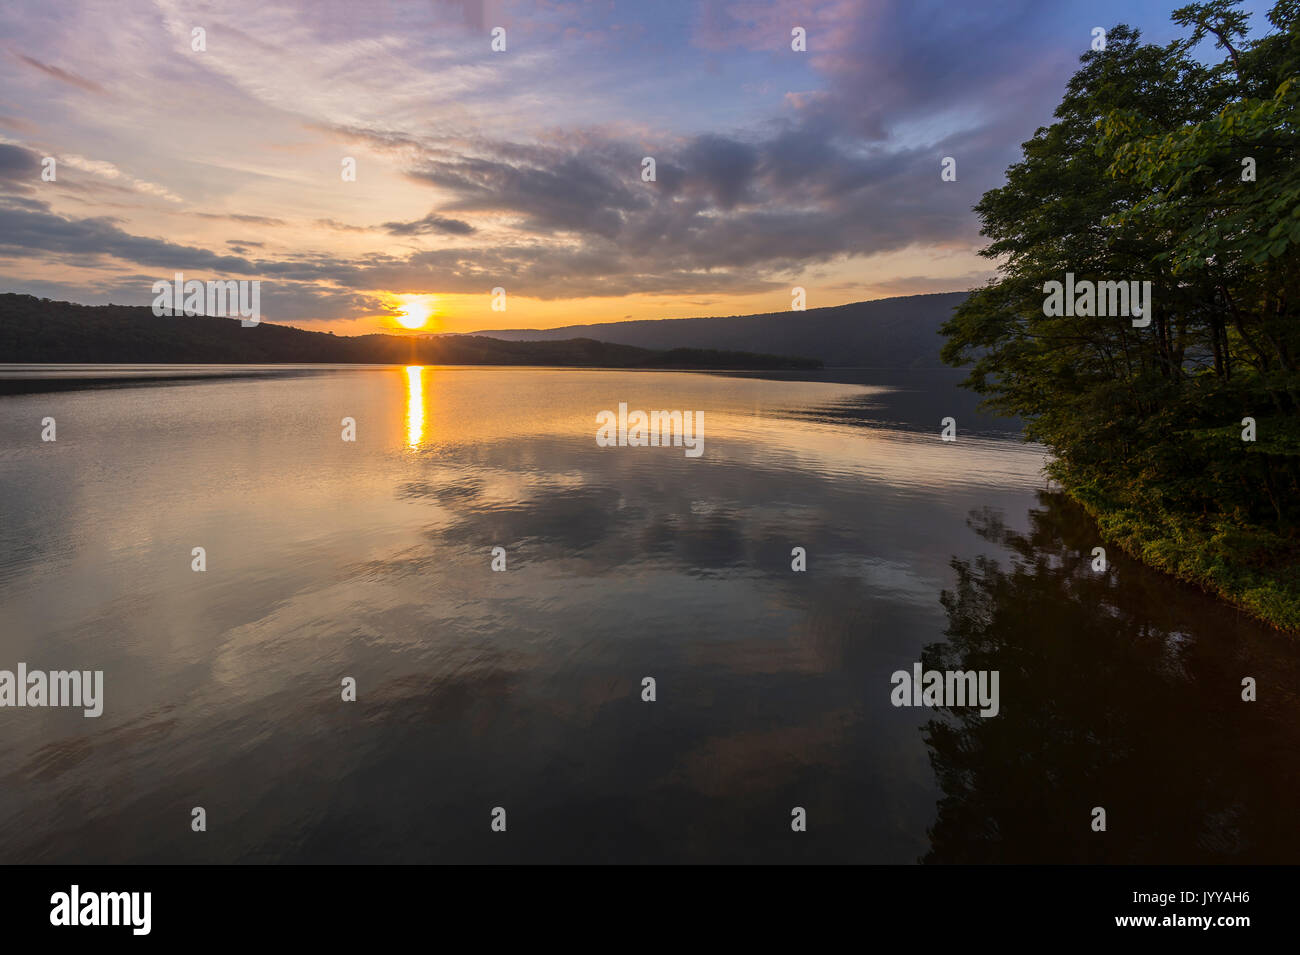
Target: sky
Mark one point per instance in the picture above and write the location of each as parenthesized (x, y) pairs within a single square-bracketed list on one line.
[(520, 168)]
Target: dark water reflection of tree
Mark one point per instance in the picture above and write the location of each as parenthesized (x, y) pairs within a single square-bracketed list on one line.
[(1119, 689)]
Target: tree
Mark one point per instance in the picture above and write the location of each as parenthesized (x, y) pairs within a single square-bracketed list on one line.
[(1143, 178)]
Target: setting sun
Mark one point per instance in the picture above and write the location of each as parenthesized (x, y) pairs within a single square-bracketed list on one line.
[(414, 311)]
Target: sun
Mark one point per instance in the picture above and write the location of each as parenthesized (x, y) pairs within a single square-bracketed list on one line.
[(414, 311)]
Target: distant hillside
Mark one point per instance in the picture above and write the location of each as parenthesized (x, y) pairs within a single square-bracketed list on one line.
[(887, 333), (45, 331)]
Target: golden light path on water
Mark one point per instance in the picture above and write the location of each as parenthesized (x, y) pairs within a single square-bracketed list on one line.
[(414, 406)]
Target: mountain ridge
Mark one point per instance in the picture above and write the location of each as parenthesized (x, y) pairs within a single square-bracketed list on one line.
[(902, 329), (35, 330)]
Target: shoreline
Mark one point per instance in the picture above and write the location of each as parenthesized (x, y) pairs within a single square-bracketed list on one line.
[(43, 378), (1192, 556)]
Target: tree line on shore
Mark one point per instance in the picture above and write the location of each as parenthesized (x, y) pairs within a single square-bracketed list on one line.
[(1179, 431)]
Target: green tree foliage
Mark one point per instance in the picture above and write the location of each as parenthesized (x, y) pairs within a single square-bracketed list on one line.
[(1146, 175)]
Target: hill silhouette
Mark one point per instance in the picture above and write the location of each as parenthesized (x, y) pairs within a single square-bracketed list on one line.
[(36, 330), (887, 333)]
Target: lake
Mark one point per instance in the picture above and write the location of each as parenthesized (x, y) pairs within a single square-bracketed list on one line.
[(523, 689)]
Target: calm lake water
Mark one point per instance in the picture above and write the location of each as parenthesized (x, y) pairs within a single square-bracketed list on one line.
[(478, 689)]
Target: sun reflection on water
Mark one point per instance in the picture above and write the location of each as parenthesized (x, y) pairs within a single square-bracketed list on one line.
[(414, 405)]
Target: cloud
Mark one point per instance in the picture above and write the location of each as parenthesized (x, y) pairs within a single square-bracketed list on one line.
[(29, 227), (889, 63), (240, 217), (63, 75), (925, 284), (727, 217), (549, 189), (341, 226), (109, 171), (18, 124), (17, 163), (720, 203), (770, 163), (430, 223)]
